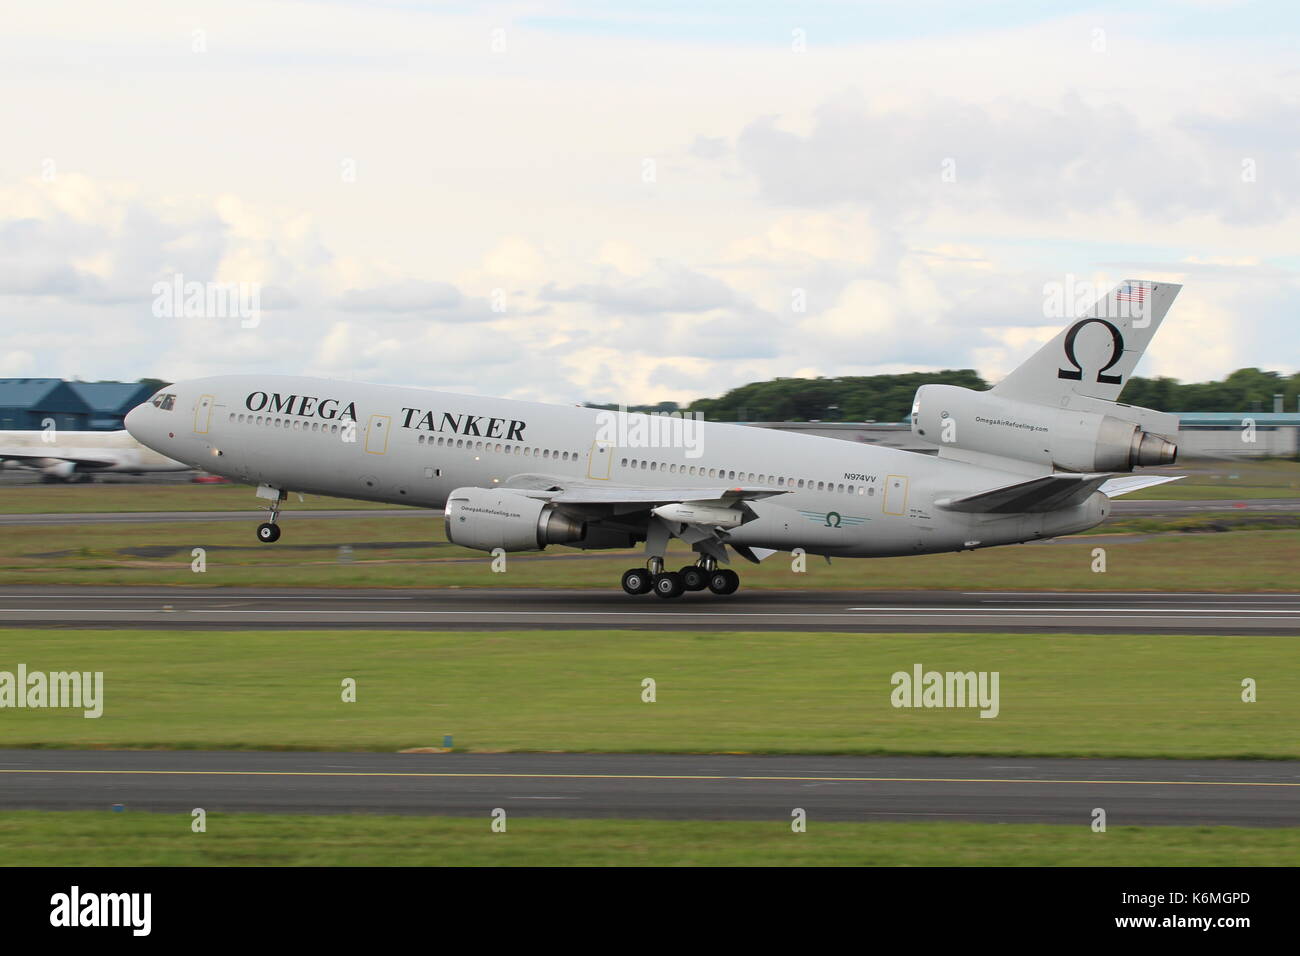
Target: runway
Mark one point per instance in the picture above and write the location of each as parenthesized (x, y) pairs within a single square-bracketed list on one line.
[(1120, 508), (704, 787), (747, 610)]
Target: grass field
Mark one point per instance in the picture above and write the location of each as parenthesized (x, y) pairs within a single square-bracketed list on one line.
[(65, 499), (35, 838), (413, 552), (1225, 481), (1127, 696)]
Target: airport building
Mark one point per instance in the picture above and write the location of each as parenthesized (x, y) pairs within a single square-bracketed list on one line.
[(32, 403), (110, 401)]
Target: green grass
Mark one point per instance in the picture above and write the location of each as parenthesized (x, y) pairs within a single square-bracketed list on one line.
[(37, 838), (1242, 480), (1201, 522), (1125, 696), (413, 552)]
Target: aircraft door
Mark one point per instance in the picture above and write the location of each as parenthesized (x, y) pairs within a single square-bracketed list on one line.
[(895, 502), (377, 434), (600, 460), (203, 415)]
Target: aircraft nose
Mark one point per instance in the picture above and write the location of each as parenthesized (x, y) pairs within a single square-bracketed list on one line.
[(135, 423)]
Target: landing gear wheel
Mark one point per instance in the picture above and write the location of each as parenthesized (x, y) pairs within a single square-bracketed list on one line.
[(724, 581), (694, 578), (669, 585), (267, 532), (637, 581)]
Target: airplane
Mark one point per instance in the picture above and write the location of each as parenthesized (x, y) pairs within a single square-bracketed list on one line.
[(79, 456), (1038, 455)]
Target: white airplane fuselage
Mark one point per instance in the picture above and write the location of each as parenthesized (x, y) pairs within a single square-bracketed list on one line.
[(414, 446)]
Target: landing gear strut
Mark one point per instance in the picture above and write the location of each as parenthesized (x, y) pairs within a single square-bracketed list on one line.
[(268, 532)]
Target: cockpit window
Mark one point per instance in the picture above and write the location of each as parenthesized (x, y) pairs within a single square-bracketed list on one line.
[(165, 401)]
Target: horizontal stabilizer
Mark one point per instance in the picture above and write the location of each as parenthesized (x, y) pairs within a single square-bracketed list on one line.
[(1126, 483), (1046, 493)]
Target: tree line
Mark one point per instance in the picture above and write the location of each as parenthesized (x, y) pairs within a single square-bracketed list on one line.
[(888, 398)]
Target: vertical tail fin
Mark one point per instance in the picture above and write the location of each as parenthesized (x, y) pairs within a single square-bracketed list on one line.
[(1095, 355)]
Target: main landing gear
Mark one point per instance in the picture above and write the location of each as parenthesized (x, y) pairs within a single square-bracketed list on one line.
[(672, 584)]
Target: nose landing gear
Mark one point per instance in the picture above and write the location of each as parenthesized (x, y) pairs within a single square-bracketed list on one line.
[(268, 532)]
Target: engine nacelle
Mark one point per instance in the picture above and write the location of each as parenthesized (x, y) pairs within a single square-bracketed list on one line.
[(487, 518), (1067, 439), (60, 469)]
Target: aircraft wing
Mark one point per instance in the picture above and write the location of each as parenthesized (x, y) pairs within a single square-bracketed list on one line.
[(570, 491), (80, 458), (624, 494)]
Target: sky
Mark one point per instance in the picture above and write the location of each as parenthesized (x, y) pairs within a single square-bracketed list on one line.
[(641, 201)]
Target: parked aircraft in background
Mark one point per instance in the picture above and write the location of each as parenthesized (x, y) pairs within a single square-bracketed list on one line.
[(1038, 455), (79, 456)]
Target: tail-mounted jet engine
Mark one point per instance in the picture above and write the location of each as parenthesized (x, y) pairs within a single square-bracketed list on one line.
[(1069, 439)]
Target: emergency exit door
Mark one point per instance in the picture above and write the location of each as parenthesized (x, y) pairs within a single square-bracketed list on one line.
[(377, 434), (895, 494), (600, 460)]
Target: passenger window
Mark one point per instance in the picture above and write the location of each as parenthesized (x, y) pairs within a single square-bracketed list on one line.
[(850, 489)]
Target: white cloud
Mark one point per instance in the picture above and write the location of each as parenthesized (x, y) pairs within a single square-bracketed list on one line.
[(783, 182)]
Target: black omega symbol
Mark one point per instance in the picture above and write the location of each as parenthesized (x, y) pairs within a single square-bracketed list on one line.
[(1117, 349)]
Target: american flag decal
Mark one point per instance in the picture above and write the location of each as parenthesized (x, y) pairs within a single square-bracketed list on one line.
[(1132, 293)]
